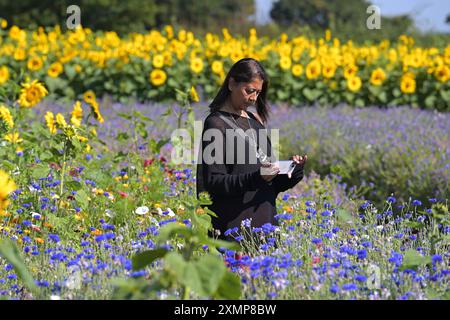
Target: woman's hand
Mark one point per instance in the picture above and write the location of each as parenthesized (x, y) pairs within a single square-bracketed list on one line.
[(299, 160), (269, 171)]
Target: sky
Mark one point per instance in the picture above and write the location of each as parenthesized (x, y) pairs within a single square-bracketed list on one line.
[(428, 15)]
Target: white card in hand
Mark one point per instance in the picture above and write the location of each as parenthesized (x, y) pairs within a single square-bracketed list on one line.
[(286, 166)]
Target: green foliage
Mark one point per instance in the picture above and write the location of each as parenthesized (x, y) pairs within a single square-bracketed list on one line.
[(10, 252), (127, 16), (202, 274), (347, 19)]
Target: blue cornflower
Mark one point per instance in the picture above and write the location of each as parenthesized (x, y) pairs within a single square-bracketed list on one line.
[(310, 210), (26, 223), (316, 240), (396, 258), (230, 231), (416, 203), (309, 203), (412, 237), (360, 278), (328, 235), (349, 287), (432, 200), (107, 226), (286, 197), (362, 254), (391, 199), (54, 238), (42, 283), (136, 274), (366, 244), (335, 265), (110, 236), (268, 228), (100, 238), (12, 276), (335, 230), (365, 205), (436, 258), (326, 213)]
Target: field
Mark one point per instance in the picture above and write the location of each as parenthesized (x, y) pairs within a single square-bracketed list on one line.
[(91, 207)]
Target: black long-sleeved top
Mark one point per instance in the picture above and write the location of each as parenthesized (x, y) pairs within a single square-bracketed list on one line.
[(238, 191)]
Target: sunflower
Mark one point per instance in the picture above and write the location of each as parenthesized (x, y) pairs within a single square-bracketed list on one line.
[(55, 69), (442, 73), (31, 93), (158, 61), (19, 54), (313, 69), (4, 74), (408, 84), (96, 111), (377, 77), (297, 70), (13, 137), (354, 83), (158, 77), (194, 95), (285, 62), (350, 71), (50, 121), (6, 187), (60, 121), (35, 63), (196, 65), (89, 96), (6, 116), (328, 70), (77, 114), (217, 67)]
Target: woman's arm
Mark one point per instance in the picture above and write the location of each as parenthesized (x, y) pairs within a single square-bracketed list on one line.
[(282, 182)]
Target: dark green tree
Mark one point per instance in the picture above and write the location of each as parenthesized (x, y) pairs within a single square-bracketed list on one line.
[(117, 15), (319, 13)]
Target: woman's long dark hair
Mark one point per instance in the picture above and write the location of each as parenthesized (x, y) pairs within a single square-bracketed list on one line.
[(245, 70)]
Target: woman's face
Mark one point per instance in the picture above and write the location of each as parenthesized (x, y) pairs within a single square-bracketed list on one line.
[(244, 94)]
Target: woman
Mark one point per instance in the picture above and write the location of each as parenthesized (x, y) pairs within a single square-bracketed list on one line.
[(241, 192)]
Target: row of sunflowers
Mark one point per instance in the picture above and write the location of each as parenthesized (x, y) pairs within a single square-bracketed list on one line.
[(302, 71)]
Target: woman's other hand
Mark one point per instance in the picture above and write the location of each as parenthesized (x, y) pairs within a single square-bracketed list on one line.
[(299, 160), (269, 171)]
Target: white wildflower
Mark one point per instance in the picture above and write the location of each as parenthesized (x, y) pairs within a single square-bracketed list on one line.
[(171, 213), (142, 210)]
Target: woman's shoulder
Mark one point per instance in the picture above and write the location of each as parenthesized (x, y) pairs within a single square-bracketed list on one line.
[(213, 120)]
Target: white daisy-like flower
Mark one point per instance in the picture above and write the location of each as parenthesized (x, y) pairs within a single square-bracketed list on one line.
[(142, 210), (171, 213), (109, 213), (160, 212)]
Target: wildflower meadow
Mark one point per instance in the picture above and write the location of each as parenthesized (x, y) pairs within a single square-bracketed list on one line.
[(92, 207)]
